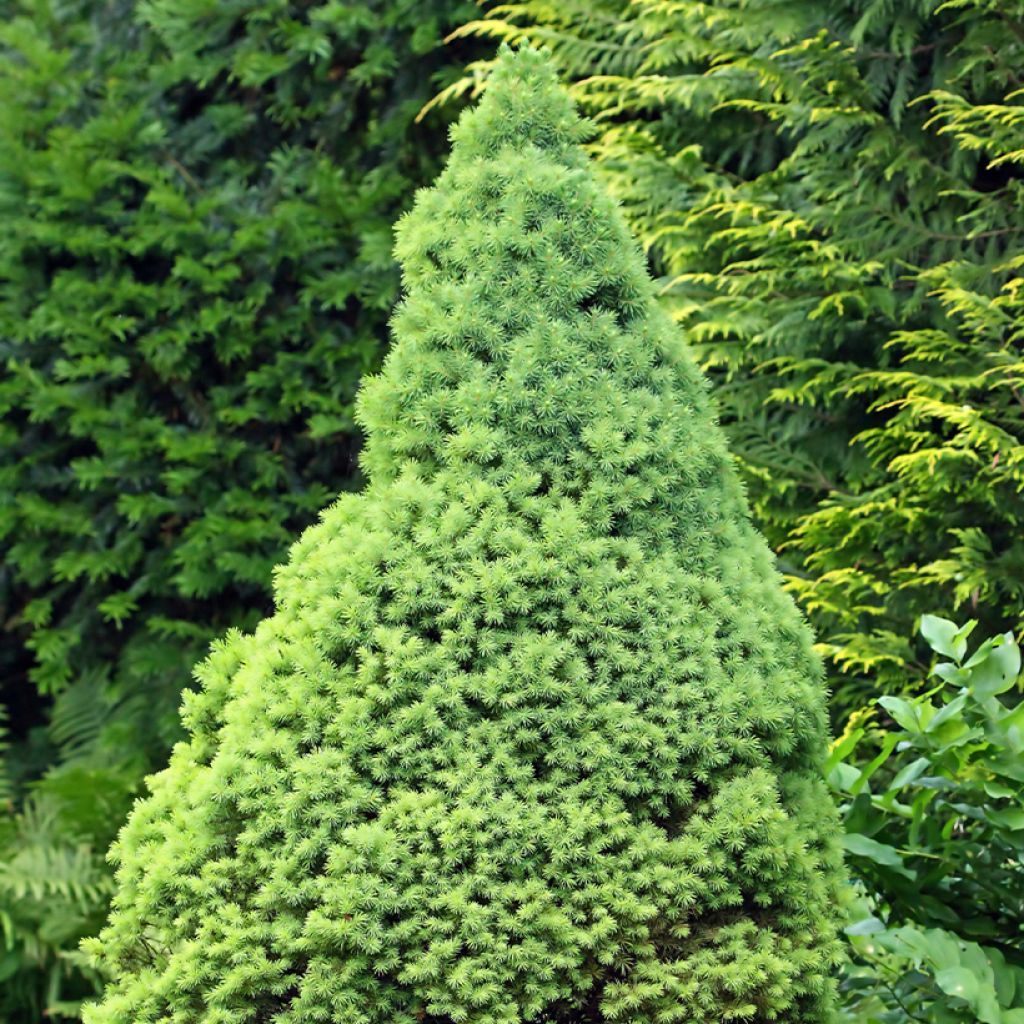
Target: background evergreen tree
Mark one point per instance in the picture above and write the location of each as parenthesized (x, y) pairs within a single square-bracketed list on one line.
[(195, 270), (534, 731), (832, 195)]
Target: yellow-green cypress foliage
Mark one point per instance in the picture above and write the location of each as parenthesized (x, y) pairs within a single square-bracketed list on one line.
[(534, 732)]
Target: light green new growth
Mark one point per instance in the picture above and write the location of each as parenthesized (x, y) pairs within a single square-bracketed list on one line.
[(534, 733)]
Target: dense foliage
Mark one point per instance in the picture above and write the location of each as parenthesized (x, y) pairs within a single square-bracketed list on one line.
[(933, 803), (534, 731), (833, 193), (195, 270)]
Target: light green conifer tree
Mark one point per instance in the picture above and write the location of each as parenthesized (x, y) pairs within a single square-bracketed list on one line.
[(534, 733)]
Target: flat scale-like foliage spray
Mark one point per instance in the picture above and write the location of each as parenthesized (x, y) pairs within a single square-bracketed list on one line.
[(534, 733)]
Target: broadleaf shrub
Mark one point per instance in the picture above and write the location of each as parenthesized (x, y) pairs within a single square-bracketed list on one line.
[(534, 731), (933, 805)]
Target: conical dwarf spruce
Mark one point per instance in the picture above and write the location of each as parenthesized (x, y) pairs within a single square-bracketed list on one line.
[(534, 733)]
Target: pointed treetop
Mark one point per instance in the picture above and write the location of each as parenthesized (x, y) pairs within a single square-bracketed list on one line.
[(529, 344), (524, 105)]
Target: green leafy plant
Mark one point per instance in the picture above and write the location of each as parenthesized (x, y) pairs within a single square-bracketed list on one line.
[(933, 802), (534, 732), (54, 889), (54, 882)]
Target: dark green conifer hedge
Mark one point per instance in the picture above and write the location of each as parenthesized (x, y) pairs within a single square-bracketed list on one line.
[(195, 270), (534, 732)]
